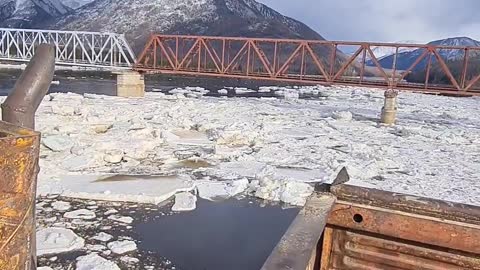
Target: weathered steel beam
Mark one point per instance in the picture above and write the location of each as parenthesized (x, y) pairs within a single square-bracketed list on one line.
[(296, 250)]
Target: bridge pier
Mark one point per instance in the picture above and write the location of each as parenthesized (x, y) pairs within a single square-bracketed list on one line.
[(130, 84), (389, 110)]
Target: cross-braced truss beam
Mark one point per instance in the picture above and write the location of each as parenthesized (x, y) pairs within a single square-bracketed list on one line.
[(72, 48), (313, 61)]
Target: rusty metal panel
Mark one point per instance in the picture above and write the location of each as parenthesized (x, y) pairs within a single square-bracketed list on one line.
[(352, 250), (19, 150), (371, 229)]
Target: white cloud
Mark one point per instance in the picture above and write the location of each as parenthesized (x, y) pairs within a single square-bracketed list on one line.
[(385, 20)]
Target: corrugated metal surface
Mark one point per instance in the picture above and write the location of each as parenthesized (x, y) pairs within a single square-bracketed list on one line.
[(351, 250), (369, 229)]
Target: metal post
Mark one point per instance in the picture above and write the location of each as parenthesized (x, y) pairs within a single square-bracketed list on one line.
[(19, 153)]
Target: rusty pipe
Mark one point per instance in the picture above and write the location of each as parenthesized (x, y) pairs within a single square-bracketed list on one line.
[(20, 106)]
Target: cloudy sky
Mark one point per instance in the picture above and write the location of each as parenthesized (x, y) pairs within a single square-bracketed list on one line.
[(385, 20)]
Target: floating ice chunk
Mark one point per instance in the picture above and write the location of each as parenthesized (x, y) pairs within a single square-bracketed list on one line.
[(110, 212), (184, 201), (95, 262), (63, 110), (95, 247), (186, 137), (264, 89), (292, 94), (213, 190), (240, 168), (122, 247), (242, 90), (343, 116), (58, 143), (101, 128), (223, 91), (236, 138), (120, 188), (122, 219), (76, 163), (61, 206), (269, 188), (102, 237), (57, 240), (280, 93), (129, 260), (80, 214), (113, 156)]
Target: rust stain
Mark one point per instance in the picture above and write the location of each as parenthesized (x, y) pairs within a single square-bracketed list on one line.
[(18, 167)]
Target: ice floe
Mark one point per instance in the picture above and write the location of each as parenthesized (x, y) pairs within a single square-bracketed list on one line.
[(57, 240)]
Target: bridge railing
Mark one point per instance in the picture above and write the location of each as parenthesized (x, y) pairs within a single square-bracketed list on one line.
[(446, 69), (86, 49)]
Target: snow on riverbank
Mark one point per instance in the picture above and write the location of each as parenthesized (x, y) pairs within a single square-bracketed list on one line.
[(278, 145)]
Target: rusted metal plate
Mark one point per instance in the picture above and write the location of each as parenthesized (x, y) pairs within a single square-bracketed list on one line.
[(297, 248), (352, 250), (407, 203), (19, 150), (411, 227), (371, 229)]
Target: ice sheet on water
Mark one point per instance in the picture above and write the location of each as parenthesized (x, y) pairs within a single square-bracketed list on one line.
[(80, 214), (214, 190), (122, 247), (135, 188), (57, 240), (413, 157), (102, 237), (94, 261), (184, 201)]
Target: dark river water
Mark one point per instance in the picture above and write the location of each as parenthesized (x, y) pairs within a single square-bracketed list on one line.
[(233, 235), (105, 83)]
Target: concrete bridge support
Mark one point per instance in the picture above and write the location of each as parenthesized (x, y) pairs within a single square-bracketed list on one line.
[(389, 110), (130, 84)]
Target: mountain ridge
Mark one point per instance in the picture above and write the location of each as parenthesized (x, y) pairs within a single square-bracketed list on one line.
[(137, 19), (405, 59)]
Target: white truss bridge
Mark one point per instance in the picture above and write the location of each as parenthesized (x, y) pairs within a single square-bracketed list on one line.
[(72, 48)]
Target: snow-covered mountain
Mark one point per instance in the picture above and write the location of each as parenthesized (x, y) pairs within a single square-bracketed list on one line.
[(381, 51), (139, 18), (74, 4), (406, 59), (28, 13)]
